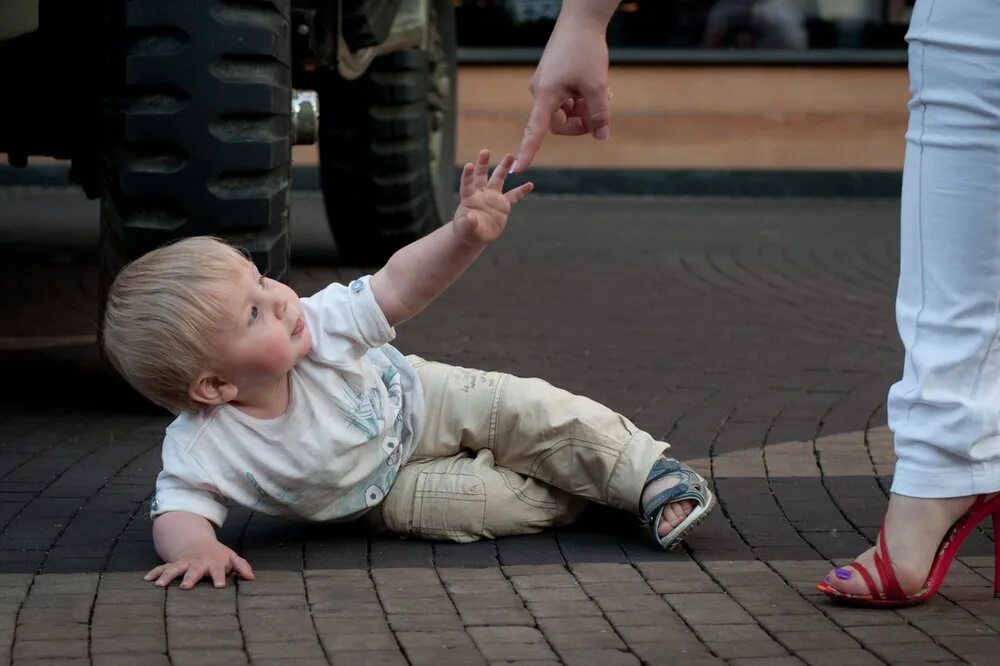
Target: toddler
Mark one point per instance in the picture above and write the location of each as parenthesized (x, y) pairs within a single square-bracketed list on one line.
[(300, 407)]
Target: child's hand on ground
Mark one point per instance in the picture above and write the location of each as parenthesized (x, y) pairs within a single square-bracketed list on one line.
[(482, 212), (214, 560)]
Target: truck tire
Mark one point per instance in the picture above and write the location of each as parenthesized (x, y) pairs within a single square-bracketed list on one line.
[(196, 134), (387, 146)]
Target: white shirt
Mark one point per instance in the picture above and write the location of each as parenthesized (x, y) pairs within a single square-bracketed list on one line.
[(354, 417)]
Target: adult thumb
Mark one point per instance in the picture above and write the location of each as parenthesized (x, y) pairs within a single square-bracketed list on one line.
[(599, 113)]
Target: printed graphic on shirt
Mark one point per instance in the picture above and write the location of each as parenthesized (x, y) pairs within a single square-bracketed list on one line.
[(363, 410), (264, 498), (388, 375)]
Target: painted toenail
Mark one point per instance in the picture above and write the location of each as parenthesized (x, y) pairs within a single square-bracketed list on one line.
[(842, 574)]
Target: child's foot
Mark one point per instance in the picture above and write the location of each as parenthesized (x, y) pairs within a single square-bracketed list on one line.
[(673, 513), (674, 500), (914, 528)]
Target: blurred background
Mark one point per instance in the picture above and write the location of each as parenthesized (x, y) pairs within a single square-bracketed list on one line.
[(703, 84), (765, 85)]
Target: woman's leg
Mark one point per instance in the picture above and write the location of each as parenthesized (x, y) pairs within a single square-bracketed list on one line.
[(945, 411)]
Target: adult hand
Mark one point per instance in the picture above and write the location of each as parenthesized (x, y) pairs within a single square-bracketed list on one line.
[(570, 85)]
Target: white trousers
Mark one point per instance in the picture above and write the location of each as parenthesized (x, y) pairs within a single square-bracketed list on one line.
[(945, 411)]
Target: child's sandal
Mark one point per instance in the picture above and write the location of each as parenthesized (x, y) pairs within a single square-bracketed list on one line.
[(691, 487)]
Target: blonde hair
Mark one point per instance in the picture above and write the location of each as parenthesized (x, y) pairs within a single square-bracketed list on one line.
[(162, 311)]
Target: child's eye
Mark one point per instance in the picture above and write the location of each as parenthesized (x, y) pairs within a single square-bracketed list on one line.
[(254, 315)]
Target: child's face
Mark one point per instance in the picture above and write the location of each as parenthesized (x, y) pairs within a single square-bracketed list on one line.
[(265, 333)]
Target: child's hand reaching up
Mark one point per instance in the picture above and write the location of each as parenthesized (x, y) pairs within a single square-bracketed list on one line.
[(482, 212), (420, 272)]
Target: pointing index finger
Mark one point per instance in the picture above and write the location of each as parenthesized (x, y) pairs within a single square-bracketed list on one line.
[(545, 105)]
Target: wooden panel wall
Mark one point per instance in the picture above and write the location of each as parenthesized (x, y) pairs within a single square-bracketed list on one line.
[(701, 117), (705, 117)]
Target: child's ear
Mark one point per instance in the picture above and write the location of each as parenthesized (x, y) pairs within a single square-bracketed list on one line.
[(211, 390)]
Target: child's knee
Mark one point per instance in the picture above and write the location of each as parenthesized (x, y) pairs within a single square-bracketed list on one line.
[(522, 505), (465, 499), (435, 501)]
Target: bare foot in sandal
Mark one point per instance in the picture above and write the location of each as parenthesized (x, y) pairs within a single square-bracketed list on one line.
[(678, 511), (673, 513), (914, 528)]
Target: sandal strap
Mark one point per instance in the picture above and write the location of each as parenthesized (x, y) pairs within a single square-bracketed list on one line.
[(869, 581), (890, 586), (663, 467), (682, 491), (891, 590)]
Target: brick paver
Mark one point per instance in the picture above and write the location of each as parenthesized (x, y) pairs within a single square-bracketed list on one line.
[(756, 336)]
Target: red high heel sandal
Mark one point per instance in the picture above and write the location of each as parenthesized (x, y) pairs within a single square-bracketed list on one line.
[(892, 595)]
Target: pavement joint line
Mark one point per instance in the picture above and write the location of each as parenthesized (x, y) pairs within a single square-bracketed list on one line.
[(312, 617), (741, 536), (30, 342), (604, 613)]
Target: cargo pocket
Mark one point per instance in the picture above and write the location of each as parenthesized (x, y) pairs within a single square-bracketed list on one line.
[(449, 506)]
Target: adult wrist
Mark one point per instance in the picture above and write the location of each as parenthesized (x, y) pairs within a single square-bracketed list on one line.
[(588, 15)]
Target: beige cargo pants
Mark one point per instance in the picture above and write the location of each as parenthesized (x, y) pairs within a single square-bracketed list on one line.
[(501, 455)]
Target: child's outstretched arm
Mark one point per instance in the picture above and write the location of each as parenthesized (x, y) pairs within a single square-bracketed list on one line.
[(188, 546), (420, 272)]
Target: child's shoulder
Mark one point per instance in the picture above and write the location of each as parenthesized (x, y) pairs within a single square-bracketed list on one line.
[(189, 427)]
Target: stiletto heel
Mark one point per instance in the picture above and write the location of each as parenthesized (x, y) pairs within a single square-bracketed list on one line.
[(891, 595)]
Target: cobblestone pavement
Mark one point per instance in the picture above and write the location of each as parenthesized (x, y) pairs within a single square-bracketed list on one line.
[(756, 336)]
